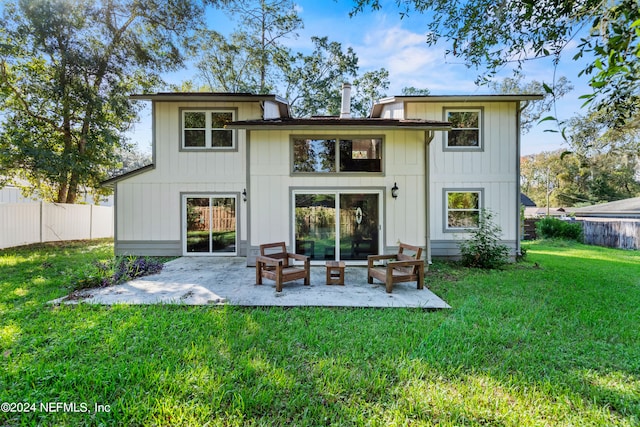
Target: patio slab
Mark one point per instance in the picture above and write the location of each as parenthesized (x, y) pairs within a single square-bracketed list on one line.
[(218, 281)]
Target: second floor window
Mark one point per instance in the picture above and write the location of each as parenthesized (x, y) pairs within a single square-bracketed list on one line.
[(331, 155), (205, 129), (466, 129)]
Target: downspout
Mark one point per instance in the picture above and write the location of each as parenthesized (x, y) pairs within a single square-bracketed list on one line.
[(518, 151), (428, 137)]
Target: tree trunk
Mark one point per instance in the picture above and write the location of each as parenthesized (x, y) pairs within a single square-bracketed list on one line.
[(62, 192)]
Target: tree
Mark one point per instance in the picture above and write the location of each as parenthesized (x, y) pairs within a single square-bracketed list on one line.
[(369, 87), (492, 34), (249, 60), (532, 112), (312, 82), (66, 70), (228, 66), (253, 59), (414, 91)]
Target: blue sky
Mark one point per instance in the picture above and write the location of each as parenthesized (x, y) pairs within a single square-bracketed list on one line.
[(382, 39)]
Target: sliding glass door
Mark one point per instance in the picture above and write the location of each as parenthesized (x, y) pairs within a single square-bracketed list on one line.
[(209, 225), (359, 226), (337, 225)]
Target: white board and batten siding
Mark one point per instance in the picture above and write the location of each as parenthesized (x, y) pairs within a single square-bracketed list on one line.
[(272, 184), (149, 207), (493, 170)]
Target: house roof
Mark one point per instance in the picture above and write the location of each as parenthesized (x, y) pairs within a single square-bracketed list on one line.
[(526, 201), (113, 180), (379, 105), (207, 96), (315, 123), (627, 208), (282, 103)]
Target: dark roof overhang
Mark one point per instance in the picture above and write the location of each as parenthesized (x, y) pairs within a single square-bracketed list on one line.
[(111, 182), (323, 123), (377, 107), (283, 105)]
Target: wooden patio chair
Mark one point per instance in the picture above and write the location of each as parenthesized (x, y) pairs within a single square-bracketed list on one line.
[(400, 267), (273, 264)]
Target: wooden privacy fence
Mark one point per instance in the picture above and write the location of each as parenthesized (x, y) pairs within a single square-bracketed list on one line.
[(26, 223), (223, 218), (612, 233)]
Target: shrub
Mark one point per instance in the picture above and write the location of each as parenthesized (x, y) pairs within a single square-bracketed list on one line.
[(554, 228), (113, 272), (483, 249)]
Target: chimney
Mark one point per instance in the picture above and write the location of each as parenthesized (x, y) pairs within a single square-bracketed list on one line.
[(345, 108)]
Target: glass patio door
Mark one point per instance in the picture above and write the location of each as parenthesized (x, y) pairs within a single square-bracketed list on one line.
[(359, 226), (339, 225), (315, 228), (210, 225)]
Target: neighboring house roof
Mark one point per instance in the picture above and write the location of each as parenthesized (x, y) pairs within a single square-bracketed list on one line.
[(282, 103), (109, 183), (526, 201), (379, 105), (536, 212), (332, 121), (628, 208)]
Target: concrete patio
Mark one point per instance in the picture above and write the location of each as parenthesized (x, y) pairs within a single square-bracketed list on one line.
[(222, 280)]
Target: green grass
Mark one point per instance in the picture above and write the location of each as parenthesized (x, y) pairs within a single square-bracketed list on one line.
[(552, 341)]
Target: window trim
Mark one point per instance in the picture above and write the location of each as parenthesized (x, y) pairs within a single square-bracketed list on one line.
[(445, 205), (338, 138), (208, 128), (445, 139)]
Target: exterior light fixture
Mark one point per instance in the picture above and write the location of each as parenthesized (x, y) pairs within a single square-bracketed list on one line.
[(394, 191), (244, 195)]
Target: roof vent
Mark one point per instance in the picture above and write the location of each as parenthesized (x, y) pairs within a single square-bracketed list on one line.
[(345, 108)]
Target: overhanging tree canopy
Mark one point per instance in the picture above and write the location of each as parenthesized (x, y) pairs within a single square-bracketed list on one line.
[(66, 70), (491, 34)]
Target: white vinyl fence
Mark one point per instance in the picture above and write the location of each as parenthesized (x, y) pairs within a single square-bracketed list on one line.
[(26, 223)]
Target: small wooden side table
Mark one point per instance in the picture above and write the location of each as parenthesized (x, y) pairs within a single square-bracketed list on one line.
[(335, 273)]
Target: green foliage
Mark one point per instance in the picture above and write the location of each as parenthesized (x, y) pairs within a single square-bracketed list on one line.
[(602, 165), (369, 87), (414, 91), (254, 59), (492, 34), (249, 60), (532, 111), (114, 271), (313, 82), (552, 341), (67, 69), (554, 228), (483, 248)]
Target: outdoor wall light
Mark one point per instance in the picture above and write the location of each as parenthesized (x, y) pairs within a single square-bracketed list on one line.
[(244, 195), (394, 191)]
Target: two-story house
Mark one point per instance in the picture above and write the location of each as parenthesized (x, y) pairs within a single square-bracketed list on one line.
[(233, 171)]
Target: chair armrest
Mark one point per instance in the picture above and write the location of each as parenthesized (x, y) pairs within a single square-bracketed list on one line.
[(372, 258), (269, 261), (298, 257), (399, 264)]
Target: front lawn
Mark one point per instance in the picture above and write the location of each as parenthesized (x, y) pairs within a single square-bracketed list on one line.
[(552, 341)]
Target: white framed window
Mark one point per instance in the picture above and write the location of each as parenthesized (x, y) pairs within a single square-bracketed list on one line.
[(466, 129), (462, 209), (204, 129)]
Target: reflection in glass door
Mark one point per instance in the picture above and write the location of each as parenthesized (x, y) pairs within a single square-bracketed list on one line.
[(337, 225), (315, 228), (210, 227), (359, 225)]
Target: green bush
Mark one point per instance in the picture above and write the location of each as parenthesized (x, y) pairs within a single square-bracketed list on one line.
[(554, 228), (483, 249)]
